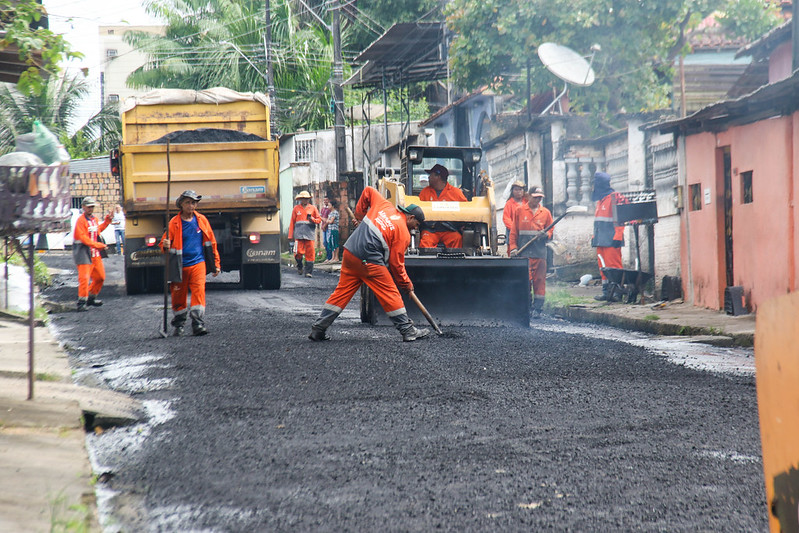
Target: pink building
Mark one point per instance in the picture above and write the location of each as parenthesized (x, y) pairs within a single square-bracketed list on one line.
[(739, 182)]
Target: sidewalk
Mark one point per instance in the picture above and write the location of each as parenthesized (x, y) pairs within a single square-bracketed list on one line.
[(47, 481), (669, 318)]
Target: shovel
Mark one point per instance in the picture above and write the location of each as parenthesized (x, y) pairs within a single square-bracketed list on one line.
[(570, 211), (430, 319)]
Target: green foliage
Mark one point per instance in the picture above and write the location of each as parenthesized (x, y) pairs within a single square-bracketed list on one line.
[(651, 317), (750, 18), (55, 107), (639, 41), (19, 21), (64, 518), (560, 297), (41, 275)]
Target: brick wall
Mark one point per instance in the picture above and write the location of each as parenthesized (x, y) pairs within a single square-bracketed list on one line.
[(102, 185)]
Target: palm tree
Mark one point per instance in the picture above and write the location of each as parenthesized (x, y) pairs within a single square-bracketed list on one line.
[(55, 107), (203, 47)]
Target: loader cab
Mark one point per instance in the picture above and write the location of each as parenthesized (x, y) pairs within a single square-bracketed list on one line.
[(460, 161)]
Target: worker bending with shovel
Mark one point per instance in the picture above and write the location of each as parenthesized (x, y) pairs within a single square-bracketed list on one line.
[(375, 254), (192, 245), (530, 223)]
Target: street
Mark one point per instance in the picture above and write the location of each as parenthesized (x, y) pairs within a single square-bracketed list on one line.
[(255, 428)]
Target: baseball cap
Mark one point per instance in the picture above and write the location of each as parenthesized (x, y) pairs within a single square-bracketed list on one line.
[(518, 183), (414, 210), (89, 201), (188, 194), (537, 191), (439, 169)]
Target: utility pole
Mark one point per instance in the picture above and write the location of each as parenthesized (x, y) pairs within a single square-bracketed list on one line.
[(270, 80), (338, 94)]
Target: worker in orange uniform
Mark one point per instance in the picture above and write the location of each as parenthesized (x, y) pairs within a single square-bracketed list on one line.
[(440, 190), (608, 238), (302, 228), (375, 254), (192, 245), (530, 222), (515, 200), (87, 253)]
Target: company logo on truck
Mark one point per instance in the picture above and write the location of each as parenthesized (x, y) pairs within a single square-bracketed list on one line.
[(253, 189), (261, 253)]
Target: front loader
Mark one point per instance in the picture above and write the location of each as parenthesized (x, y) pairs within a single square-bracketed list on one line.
[(471, 285)]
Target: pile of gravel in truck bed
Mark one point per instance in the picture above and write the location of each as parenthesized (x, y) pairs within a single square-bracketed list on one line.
[(207, 135)]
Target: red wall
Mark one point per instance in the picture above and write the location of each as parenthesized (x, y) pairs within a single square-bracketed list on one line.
[(764, 236)]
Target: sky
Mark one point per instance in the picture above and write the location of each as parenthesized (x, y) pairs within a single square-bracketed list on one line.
[(78, 21)]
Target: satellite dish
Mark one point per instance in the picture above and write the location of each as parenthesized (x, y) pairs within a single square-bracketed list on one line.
[(566, 64)]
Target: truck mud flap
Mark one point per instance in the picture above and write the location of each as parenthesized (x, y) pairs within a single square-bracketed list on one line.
[(470, 291)]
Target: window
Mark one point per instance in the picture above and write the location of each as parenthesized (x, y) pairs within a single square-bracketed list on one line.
[(695, 192), (113, 98), (746, 187), (76, 202), (304, 150), (111, 53), (110, 32)]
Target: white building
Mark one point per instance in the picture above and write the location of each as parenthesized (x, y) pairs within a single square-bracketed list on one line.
[(119, 60)]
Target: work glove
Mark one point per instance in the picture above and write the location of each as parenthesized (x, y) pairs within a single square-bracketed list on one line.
[(514, 252), (406, 287)]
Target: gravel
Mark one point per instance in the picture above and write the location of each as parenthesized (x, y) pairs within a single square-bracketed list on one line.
[(255, 428)]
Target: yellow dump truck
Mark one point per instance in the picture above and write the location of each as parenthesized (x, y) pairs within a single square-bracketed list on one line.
[(219, 147)]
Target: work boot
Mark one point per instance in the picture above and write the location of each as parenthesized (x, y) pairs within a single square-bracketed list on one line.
[(178, 321), (414, 333), (538, 306), (93, 301), (298, 258), (318, 334), (197, 315), (81, 304), (605, 290), (308, 270)]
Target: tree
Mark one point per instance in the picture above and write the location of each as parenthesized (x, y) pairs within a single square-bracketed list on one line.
[(55, 107), (39, 48), (639, 41), (217, 42)]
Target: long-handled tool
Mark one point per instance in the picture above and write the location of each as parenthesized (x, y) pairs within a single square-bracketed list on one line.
[(164, 330), (412, 296), (569, 211)]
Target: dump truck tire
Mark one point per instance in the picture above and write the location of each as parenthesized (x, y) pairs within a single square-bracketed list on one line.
[(134, 281), (368, 306), (261, 276)]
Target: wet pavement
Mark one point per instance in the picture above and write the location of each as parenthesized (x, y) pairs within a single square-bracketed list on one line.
[(562, 426)]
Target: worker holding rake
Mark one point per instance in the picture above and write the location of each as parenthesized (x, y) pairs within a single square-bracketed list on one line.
[(530, 223)]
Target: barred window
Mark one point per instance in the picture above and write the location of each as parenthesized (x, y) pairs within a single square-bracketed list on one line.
[(695, 191), (76, 202), (747, 196), (304, 150)]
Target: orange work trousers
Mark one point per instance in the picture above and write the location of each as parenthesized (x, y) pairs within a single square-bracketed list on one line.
[(305, 248), (538, 275), (194, 283), (354, 273), (451, 239), (91, 277), (612, 257)]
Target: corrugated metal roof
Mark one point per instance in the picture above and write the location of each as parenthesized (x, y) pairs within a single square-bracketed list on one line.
[(408, 52), (776, 99), (93, 164)]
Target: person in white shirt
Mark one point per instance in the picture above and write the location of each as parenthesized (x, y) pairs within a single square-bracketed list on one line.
[(119, 227)]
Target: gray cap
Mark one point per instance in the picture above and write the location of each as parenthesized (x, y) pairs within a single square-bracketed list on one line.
[(89, 201), (188, 194), (414, 210)]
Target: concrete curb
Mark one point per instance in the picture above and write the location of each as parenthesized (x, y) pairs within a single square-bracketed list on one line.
[(708, 335)]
